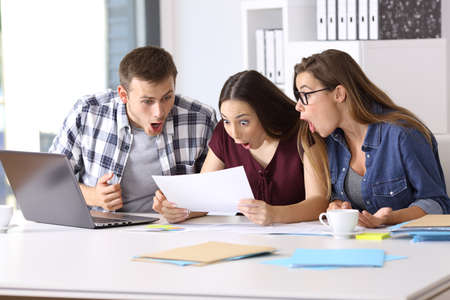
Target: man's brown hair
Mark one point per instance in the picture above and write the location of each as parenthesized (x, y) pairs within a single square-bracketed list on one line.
[(146, 63)]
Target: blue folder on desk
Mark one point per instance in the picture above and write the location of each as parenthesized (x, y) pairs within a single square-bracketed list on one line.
[(338, 258), (430, 236)]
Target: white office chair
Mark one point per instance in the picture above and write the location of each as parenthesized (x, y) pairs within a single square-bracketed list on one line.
[(444, 154)]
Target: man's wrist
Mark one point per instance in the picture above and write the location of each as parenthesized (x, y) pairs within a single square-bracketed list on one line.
[(88, 194), (195, 214)]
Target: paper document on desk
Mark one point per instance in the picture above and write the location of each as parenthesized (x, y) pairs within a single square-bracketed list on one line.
[(214, 192)]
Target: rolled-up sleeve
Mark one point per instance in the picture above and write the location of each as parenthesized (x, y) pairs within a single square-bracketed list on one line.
[(429, 206)]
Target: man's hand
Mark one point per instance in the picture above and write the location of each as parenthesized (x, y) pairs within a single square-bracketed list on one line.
[(108, 196), (168, 209), (257, 211), (339, 204)]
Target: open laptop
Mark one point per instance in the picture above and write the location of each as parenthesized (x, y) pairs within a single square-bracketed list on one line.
[(48, 192)]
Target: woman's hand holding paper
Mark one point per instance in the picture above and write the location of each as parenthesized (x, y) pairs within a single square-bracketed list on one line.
[(257, 211), (169, 210)]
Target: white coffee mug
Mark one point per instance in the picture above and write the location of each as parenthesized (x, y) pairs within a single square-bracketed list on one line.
[(6, 212), (342, 222)]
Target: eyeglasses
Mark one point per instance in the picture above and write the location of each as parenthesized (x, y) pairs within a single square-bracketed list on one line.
[(303, 97)]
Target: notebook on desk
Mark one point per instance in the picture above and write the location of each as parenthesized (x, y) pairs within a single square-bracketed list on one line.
[(48, 192)]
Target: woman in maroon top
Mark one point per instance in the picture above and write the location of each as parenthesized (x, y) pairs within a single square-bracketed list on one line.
[(258, 131)]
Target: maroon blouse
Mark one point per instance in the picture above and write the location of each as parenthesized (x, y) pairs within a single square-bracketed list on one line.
[(280, 183)]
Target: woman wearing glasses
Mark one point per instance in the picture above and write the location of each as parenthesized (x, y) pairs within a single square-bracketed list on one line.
[(382, 159), (259, 130)]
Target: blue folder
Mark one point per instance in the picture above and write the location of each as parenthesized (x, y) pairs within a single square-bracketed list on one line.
[(288, 262), (430, 236), (337, 258)]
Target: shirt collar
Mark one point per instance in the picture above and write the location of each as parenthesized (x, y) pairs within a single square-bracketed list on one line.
[(169, 124), (122, 117), (373, 136)]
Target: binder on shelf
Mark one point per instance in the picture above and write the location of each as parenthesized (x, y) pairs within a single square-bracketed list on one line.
[(342, 19), (331, 20), (352, 19), (279, 57), (270, 54), (260, 52), (321, 11), (373, 19), (363, 15)]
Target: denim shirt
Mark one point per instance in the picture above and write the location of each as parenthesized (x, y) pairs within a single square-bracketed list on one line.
[(401, 168)]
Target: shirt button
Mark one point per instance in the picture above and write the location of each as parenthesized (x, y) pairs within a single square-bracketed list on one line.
[(368, 155), (342, 193), (343, 169), (368, 202), (260, 171), (364, 179), (391, 193)]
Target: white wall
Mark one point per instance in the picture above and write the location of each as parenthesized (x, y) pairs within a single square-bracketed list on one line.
[(204, 37), (53, 53), (445, 19)]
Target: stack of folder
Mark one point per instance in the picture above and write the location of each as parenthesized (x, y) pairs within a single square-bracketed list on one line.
[(426, 228), (269, 54), (377, 19), (347, 19)]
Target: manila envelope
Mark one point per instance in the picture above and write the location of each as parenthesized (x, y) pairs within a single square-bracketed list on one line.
[(430, 221), (209, 252)]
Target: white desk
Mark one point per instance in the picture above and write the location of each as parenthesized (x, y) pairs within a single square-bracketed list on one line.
[(56, 261)]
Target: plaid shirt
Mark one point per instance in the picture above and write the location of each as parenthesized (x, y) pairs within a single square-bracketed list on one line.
[(96, 137)]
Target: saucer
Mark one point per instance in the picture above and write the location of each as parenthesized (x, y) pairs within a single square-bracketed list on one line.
[(5, 229), (344, 235)]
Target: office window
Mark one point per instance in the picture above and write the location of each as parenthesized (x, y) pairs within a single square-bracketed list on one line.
[(45, 141), (131, 24), (113, 28), (5, 190)]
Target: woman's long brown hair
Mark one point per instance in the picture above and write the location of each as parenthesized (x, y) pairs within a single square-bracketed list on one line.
[(333, 68)]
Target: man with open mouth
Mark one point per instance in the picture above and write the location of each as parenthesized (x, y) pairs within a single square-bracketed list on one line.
[(116, 140)]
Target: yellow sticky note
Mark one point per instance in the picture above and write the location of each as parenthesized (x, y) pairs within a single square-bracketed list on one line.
[(158, 226), (163, 227), (374, 236)]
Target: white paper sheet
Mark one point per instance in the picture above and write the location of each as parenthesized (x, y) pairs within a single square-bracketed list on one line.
[(214, 192), (302, 228)]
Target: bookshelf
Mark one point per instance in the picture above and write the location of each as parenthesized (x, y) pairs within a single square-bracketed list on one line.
[(413, 72), (275, 14)]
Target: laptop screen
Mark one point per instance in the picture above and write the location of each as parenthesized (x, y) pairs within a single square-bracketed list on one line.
[(46, 188)]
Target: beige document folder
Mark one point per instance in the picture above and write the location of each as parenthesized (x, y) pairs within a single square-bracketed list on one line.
[(208, 252), (430, 221)]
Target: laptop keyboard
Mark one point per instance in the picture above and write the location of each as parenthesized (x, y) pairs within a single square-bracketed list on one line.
[(106, 219), (109, 221)]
